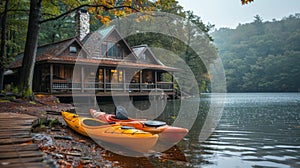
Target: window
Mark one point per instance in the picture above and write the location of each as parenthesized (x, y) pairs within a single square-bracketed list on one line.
[(107, 75), (119, 52), (120, 75), (73, 49), (143, 57), (103, 49), (117, 75), (111, 50), (100, 75)]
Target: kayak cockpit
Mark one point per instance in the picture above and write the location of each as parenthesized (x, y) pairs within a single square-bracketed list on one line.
[(90, 122), (153, 123)]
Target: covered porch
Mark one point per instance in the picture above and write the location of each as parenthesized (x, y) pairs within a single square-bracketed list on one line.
[(102, 80)]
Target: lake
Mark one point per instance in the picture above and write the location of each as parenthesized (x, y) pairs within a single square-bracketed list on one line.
[(255, 130)]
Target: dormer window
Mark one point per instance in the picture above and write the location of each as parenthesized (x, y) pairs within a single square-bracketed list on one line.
[(111, 50), (143, 57), (73, 49)]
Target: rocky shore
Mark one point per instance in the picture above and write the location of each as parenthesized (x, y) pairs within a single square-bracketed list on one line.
[(65, 148)]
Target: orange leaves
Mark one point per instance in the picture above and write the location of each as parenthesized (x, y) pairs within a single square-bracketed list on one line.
[(103, 19), (119, 13), (92, 9), (246, 1), (103, 2), (106, 10), (127, 2)]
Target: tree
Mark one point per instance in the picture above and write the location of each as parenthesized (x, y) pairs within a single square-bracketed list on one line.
[(30, 48), (102, 10), (3, 43), (246, 1), (13, 19), (193, 46), (261, 56)]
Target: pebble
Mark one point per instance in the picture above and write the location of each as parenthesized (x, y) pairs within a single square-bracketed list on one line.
[(63, 137)]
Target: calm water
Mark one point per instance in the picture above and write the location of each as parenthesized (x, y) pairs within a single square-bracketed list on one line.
[(255, 130)]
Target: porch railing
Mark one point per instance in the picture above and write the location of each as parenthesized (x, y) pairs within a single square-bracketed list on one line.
[(86, 86)]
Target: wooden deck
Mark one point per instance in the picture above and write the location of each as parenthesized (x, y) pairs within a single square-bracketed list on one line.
[(16, 147), (109, 94)]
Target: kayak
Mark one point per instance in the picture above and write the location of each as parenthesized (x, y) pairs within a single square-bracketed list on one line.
[(129, 137), (167, 134)]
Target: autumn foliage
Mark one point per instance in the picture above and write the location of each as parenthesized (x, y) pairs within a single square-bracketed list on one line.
[(246, 1)]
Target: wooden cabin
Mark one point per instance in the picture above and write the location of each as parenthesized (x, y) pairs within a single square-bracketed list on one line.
[(100, 64)]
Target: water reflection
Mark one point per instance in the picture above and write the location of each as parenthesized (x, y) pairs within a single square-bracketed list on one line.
[(256, 130)]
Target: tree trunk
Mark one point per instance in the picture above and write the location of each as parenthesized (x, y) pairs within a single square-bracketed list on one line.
[(28, 63), (3, 44), (2, 78)]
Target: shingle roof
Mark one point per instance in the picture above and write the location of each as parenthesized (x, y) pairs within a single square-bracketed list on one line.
[(53, 53), (138, 49), (141, 49), (44, 51), (105, 32)]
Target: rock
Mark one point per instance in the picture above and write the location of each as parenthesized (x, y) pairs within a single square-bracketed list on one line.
[(57, 155), (45, 139), (73, 153), (63, 137), (63, 162)]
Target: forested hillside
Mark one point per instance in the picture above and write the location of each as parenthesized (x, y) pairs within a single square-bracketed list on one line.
[(261, 56)]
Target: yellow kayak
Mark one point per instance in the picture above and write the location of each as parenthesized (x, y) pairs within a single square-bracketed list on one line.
[(167, 134), (131, 138)]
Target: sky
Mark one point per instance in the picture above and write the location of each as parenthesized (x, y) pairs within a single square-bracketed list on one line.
[(229, 13)]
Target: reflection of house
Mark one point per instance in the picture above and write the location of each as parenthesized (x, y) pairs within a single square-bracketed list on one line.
[(104, 63)]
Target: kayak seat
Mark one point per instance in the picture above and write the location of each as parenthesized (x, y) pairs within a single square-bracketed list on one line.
[(121, 113), (90, 122), (153, 123), (127, 127)]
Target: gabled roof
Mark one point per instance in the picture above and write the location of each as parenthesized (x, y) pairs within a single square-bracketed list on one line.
[(94, 40), (51, 50), (54, 53), (106, 32), (67, 45), (140, 51)]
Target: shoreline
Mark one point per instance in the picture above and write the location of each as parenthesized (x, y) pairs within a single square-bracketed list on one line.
[(65, 148)]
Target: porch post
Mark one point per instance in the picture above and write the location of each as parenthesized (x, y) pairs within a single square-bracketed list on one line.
[(124, 80), (155, 79), (141, 80), (82, 78), (172, 75), (51, 77), (104, 79)]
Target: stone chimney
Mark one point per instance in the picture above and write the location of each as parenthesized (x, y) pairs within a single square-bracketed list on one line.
[(82, 21)]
